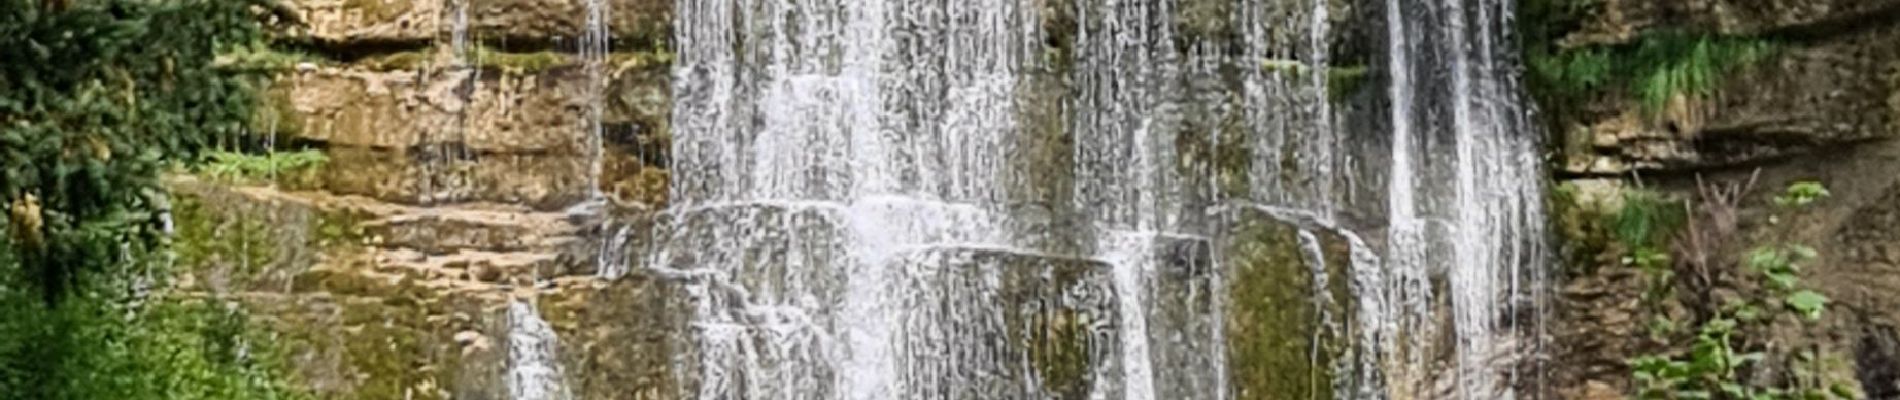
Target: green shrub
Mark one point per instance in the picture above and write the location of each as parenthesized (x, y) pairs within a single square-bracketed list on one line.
[(100, 344)]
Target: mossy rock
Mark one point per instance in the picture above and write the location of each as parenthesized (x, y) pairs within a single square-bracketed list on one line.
[(619, 340), (230, 241), (1279, 344)]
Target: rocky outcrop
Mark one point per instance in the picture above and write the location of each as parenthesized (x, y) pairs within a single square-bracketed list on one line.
[(349, 25), (453, 188), (383, 301), (496, 134), (1810, 96)]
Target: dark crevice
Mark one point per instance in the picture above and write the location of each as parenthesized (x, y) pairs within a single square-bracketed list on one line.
[(1795, 151), (350, 51), (1877, 362), (355, 50)]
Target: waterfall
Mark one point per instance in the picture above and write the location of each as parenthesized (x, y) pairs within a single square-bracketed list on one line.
[(534, 370), (861, 208), (1408, 304), (1488, 240), (840, 193), (1288, 115)]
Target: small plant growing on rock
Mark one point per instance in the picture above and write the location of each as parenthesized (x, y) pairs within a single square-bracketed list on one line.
[(241, 167), (1718, 361)]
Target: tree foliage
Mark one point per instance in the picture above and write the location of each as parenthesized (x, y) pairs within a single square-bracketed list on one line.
[(96, 97)]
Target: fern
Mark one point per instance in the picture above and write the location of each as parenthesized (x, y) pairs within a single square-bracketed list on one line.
[(1647, 219), (1668, 65), (1657, 68)]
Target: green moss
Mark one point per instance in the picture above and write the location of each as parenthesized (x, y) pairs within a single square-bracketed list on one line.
[(493, 59), (340, 229), (1058, 350), (520, 63), (218, 236), (1271, 319), (262, 57), (1581, 228), (1061, 25), (1053, 337), (1893, 85), (1343, 82), (628, 61), (386, 349), (1205, 21), (277, 114)]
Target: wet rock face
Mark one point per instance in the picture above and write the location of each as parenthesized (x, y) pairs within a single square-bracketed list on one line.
[(1285, 329), (435, 135)]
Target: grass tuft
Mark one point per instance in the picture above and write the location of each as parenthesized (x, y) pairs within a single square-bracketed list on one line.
[(239, 167)]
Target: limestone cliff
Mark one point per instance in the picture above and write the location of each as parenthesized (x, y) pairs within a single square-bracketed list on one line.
[(1824, 106), (455, 185)]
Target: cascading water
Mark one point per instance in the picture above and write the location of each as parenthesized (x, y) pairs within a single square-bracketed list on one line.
[(596, 41), (534, 370), (840, 196), (848, 217), (1477, 217)]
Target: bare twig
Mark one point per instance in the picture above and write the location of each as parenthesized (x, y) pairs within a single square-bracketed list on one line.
[(1712, 219)]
